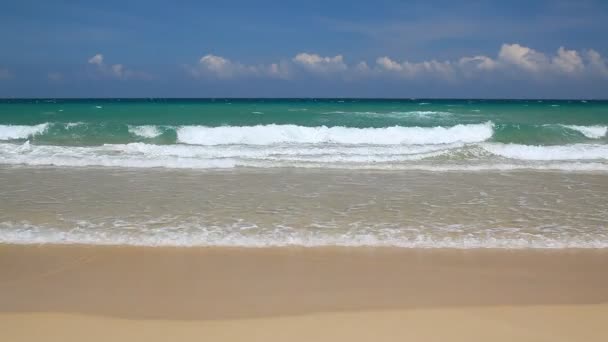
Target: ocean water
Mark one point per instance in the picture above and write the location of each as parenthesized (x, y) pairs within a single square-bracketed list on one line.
[(305, 172), (437, 135)]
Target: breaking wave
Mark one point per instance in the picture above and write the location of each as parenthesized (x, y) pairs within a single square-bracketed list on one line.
[(274, 134), (14, 132), (593, 132), (434, 157)]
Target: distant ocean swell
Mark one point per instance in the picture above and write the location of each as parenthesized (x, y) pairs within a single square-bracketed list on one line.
[(482, 146)]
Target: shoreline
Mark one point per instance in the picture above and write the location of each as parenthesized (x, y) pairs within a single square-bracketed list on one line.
[(303, 207)]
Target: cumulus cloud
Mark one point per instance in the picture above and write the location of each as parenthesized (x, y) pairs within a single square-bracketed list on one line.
[(482, 63), (411, 70), (116, 71), (223, 68), (596, 63), (522, 56), (315, 63), (511, 60), (388, 64), (97, 59), (362, 67), (568, 61)]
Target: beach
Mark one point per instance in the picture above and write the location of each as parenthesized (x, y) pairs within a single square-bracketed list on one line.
[(69, 293), (310, 171), (303, 220)]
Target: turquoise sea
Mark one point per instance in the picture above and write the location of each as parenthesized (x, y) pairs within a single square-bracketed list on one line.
[(412, 173), (315, 133)]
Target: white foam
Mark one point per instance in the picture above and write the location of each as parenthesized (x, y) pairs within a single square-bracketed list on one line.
[(274, 134), (222, 156), (396, 114), (12, 132), (73, 124), (36, 155), (548, 153), (145, 131), (278, 151), (440, 158), (251, 236), (422, 113), (593, 132)]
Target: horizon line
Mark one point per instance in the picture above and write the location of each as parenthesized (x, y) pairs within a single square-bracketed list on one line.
[(308, 98)]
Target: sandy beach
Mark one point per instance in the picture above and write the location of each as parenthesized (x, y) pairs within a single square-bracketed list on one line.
[(312, 171), (70, 293)]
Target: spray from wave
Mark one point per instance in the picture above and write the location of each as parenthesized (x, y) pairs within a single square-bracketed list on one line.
[(147, 131)]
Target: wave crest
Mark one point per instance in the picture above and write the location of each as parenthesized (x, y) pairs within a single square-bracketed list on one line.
[(593, 132), (548, 153), (274, 134), (14, 132)]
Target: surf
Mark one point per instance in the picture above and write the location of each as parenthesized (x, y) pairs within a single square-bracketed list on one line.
[(275, 134)]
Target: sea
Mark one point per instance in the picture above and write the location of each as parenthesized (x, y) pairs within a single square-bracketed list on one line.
[(407, 173)]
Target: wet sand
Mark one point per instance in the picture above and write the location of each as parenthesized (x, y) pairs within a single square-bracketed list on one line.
[(69, 293)]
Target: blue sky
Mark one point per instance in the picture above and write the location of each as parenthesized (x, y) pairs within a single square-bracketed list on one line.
[(473, 48)]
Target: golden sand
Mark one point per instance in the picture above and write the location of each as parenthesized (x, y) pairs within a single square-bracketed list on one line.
[(76, 293)]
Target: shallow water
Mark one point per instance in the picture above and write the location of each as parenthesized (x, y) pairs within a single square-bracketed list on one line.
[(303, 207)]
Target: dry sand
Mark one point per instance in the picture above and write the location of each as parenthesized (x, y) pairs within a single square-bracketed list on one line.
[(76, 293)]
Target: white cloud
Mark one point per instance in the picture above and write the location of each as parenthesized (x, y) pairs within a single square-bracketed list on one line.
[(411, 70), (97, 59), (218, 65), (478, 63), (389, 64), (117, 71), (315, 63), (597, 63), (222, 67), (212, 66), (568, 61), (527, 59), (523, 57), (512, 60)]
